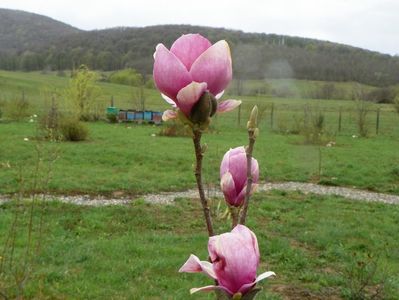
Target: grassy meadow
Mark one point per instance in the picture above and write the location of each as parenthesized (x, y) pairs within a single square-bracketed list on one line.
[(320, 247)]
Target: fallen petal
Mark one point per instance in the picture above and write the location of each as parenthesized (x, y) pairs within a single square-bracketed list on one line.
[(228, 105)]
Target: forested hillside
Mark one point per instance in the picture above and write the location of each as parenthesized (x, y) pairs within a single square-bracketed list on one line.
[(32, 42)]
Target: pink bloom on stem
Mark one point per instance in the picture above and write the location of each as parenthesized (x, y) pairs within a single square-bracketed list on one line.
[(235, 259), (190, 68), (233, 175)]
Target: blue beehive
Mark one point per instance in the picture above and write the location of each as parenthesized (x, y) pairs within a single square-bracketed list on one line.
[(138, 116), (148, 115), (130, 115)]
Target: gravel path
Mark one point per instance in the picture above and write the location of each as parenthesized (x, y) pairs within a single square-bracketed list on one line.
[(168, 198)]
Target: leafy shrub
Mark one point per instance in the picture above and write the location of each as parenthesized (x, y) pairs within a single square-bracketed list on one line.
[(150, 84), (381, 95), (17, 109), (127, 77), (73, 130), (82, 95), (112, 118), (49, 123), (313, 129), (362, 110)]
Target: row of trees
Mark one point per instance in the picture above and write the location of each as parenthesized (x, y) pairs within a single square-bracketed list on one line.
[(255, 56)]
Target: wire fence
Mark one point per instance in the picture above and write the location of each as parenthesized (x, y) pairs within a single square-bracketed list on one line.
[(340, 120)]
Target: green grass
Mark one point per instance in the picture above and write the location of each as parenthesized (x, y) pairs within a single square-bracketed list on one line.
[(320, 247), (128, 158), (316, 245)]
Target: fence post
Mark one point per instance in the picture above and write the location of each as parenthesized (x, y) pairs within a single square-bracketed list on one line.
[(340, 119), (377, 123), (272, 116), (112, 101), (239, 115)]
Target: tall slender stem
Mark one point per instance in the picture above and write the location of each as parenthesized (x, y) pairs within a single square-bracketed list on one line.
[(198, 176), (234, 216), (249, 150)]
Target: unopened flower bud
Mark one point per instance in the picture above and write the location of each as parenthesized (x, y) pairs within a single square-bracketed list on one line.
[(253, 118), (203, 109)]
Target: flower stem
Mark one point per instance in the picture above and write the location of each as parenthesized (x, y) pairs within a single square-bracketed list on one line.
[(234, 212), (198, 176), (249, 150)]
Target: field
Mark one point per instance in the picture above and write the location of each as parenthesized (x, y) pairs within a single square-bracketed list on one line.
[(320, 247), (134, 252)]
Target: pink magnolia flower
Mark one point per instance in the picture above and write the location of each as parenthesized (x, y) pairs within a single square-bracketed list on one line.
[(233, 175), (192, 67), (234, 261)]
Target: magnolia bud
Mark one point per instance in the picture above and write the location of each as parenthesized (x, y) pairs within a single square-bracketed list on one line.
[(253, 118), (205, 107)]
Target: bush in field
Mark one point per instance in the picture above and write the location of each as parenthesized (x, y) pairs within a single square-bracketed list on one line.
[(73, 130), (17, 109), (82, 95), (112, 118), (49, 123), (127, 77), (362, 110), (149, 84), (313, 126), (381, 95)]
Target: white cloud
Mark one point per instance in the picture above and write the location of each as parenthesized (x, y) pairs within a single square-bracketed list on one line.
[(371, 24)]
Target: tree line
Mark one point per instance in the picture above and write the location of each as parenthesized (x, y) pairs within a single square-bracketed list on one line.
[(255, 55)]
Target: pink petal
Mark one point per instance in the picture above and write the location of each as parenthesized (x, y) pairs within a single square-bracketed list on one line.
[(214, 67), (189, 95), (194, 265), (241, 195), (247, 287), (228, 105), (218, 96), (238, 168), (224, 166), (228, 188), (170, 101), (209, 288), (249, 237), (189, 47), (170, 75), (169, 115), (234, 258)]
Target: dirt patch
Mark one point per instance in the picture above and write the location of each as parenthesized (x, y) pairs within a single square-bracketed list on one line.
[(289, 292)]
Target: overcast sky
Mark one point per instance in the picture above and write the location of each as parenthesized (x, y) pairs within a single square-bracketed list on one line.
[(370, 24)]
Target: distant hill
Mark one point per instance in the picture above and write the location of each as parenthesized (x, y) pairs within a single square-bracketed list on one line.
[(23, 31), (34, 42)]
